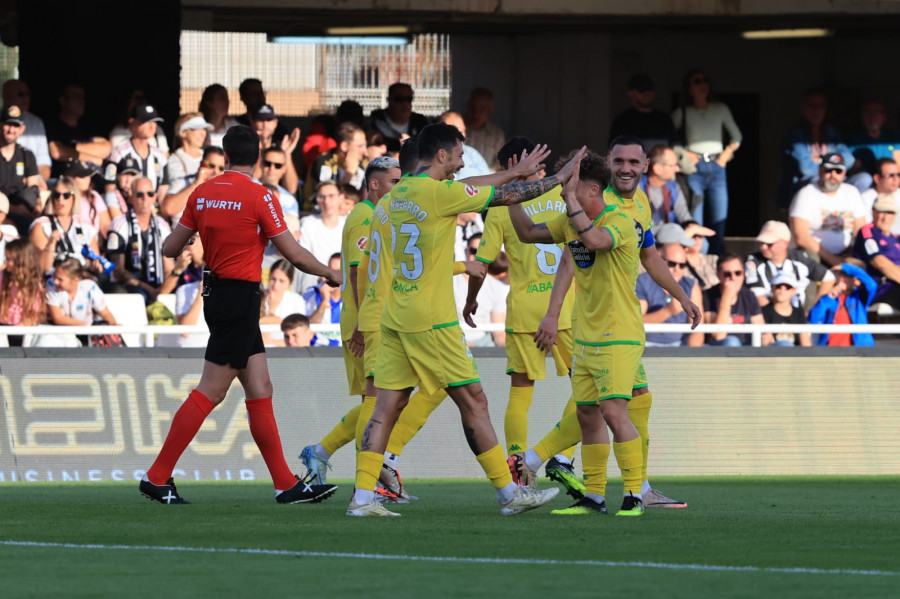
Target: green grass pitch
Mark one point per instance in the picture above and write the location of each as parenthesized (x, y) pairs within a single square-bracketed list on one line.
[(740, 537)]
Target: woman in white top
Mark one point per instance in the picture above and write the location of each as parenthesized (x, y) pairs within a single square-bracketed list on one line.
[(75, 300), (214, 106), (61, 233), (702, 119), (90, 205), (279, 301)]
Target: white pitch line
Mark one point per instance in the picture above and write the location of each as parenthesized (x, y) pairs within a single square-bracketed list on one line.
[(452, 559)]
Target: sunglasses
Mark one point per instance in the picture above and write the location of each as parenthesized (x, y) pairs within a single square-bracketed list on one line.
[(270, 164), (61, 194), (782, 286), (828, 171), (141, 194), (218, 167), (890, 175), (728, 274), (402, 98), (676, 264)]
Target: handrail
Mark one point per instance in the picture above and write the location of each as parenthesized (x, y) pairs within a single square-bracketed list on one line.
[(754, 330)]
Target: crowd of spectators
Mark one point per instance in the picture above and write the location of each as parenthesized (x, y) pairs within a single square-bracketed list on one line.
[(84, 213)]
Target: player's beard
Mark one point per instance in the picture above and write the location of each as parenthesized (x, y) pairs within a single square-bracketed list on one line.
[(619, 185)]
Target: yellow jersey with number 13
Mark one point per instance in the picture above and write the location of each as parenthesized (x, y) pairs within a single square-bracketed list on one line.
[(423, 215)]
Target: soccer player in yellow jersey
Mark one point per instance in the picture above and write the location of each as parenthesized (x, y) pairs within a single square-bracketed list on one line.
[(381, 175), (608, 328), (421, 340), (627, 161), (531, 272)]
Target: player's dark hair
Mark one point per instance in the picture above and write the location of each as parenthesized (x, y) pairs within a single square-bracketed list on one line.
[(409, 155), (593, 167), (241, 145), (627, 140), (514, 147), (436, 137)]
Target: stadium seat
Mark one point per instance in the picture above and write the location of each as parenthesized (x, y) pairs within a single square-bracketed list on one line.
[(129, 309)]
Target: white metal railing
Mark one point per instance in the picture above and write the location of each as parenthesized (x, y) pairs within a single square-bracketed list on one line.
[(149, 332)]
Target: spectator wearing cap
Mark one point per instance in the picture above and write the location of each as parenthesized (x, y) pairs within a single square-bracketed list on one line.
[(183, 169), (272, 135), (89, 204), (398, 120), (274, 163), (122, 130), (887, 181), (214, 106), (70, 137), (152, 160), (19, 177), (344, 164), (118, 179), (806, 144), (17, 93), (730, 302), (782, 309), (847, 303), (657, 306), (135, 245), (482, 134), (701, 266), (653, 127), (878, 247), (827, 213), (775, 257), (668, 203), (475, 164)]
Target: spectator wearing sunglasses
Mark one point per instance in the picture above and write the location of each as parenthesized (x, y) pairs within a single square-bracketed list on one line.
[(827, 213), (658, 306), (398, 120), (887, 181), (183, 168), (62, 231), (274, 162), (135, 245), (730, 302)]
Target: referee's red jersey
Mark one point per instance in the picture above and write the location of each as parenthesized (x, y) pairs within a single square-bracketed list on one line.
[(235, 218)]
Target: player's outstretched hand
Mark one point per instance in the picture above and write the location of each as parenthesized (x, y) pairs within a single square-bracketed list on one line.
[(566, 172), (530, 162), (545, 337), (468, 310)]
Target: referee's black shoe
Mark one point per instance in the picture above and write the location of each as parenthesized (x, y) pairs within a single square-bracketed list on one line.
[(166, 493), (303, 492)]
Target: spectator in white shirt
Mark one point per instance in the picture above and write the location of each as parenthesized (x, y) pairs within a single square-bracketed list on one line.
[(320, 233)]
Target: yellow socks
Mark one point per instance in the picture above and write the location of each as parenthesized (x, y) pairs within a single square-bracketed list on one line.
[(343, 433), (365, 414), (564, 435), (413, 418), (639, 414), (368, 469), (515, 424), (493, 462), (629, 456), (569, 409), (594, 459)]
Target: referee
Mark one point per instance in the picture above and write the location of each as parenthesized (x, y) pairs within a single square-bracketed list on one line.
[(235, 218)]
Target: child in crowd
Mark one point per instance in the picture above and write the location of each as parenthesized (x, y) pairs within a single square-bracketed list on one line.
[(75, 300), (847, 303), (22, 291), (781, 311), (297, 332)]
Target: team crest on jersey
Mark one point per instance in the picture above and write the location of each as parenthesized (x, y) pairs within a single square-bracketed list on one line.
[(639, 229), (361, 242), (583, 257), (472, 191)]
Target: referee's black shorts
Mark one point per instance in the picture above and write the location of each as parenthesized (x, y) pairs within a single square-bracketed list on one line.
[(231, 311)]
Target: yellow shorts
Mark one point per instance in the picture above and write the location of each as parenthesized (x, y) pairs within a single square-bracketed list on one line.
[(604, 372), (640, 377), (434, 359), (356, 376), (373, 345), (523, 356)]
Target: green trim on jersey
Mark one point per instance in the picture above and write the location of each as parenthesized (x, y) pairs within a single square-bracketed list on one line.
[(461, 383), (353, 263), (371, 205), (445, 325), (480, 259), (605, 343), (604, 211), (644, 386), (490, 199), (608, 230)]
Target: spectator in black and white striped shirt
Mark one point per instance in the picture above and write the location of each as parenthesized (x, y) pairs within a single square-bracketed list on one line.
[(774, 257), (151, 160)]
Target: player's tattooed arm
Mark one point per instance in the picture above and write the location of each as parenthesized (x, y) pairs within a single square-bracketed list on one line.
[(522, 191)]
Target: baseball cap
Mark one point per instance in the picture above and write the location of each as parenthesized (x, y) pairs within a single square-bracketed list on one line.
[(834, 160), (784, 278), (264, 113), (194, 123), (128, 165), (12, 114), (77, 168), (885, 202), (774, 231), (641, 82), (673, 233), (144, 113)]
